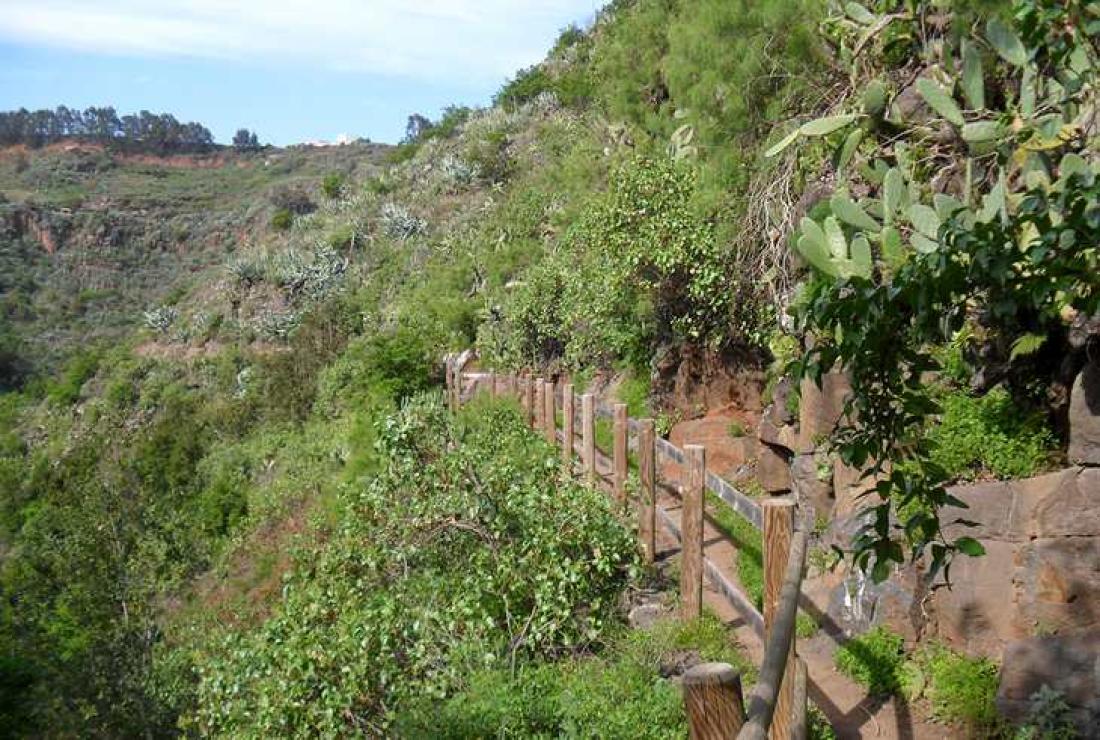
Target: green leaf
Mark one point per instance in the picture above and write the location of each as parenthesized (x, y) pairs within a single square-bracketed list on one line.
[(783, 143), (849, 212), (981, 131), (851, 143), (860, 14), (827, 125), (893, 193), (874, 98), (970, 546), (1006, 42), (940, 101), (834, 237), (925, 220), (973, 78), (812, 230), (861, 257), (923, 244), (881, 571), (1072, 164), (946, 205), (1027, 91), (1027, 344), (893, 250), (814, 253), (994, 203)]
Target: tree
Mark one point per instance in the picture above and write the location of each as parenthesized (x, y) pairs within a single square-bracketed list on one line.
[(245, 140), (416, 127)]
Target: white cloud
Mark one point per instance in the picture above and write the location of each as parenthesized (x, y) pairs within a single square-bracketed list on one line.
[(437, 40)]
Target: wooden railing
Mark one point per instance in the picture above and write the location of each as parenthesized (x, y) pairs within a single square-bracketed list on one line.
[(776, 707)]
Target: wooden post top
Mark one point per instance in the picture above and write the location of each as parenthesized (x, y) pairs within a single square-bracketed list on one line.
[(710, 673), (775, 502)]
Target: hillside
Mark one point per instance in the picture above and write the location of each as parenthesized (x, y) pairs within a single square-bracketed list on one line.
[(91, 238), (232, 503)]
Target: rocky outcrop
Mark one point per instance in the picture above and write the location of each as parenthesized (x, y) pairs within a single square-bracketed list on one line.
[(1084, 417), (1041, 571), (1070, 665)]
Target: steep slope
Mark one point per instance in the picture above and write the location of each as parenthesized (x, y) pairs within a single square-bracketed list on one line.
[(209, 527), (90, 238)]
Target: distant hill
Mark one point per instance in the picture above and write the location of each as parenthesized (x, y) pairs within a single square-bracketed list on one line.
[(90, 235)]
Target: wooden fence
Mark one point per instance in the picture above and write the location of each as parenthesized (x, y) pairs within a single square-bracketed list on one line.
[(776, 708)]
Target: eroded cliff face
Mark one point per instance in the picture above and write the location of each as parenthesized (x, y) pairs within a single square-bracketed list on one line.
[(24, 222)]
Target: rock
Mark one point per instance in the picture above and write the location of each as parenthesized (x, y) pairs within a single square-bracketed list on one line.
[(1082, 329), (725, 453), (1084, 417), (976, 614), (784, 436), (858, 604), (778, 410), (773, 470), (810, 483), (1069, 665), (820, 409), (1041, 570), (644, 616), (849, 487)]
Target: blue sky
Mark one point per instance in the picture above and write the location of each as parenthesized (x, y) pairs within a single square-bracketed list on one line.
[(292, 70)]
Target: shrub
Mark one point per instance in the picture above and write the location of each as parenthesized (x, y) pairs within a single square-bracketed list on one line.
[(419, 589), (399, 222), (621, 693), (282, 219), (526, 85), (161, 319), (962, 689), (873, 659), (293, 198), (66, 389), (333, 185), (989, 435)]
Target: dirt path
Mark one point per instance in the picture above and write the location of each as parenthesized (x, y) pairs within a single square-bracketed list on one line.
[(852, 712)]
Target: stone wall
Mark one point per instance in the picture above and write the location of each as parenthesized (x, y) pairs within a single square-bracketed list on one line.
[(1031, 603)]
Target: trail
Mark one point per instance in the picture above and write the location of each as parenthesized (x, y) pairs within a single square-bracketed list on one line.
[(850, 709)]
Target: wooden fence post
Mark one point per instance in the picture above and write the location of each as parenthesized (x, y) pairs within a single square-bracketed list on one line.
[(691, 526), (588, 437), (713, 700), (647, 470), (494, 391), (537, 409), (778, 532), (529, 400), (618, 456), (567, 426), (456, 387), (549, 420), (449, 379)]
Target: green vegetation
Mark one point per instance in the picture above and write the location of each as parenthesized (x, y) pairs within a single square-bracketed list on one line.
[(874, 659), (988, 435), (229, 504), (903, 261), (615, 694), (961, 690), (427, 550)]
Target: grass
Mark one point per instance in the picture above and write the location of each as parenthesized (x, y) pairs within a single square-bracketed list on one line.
[(979, 437), (749, 560), (614, 693), (960, 689)]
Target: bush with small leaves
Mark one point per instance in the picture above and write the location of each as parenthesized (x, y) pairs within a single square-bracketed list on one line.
[(401, 223), (161, 319)]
